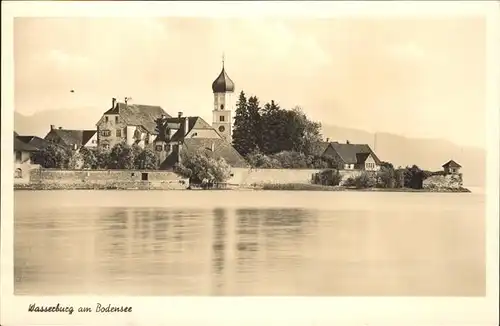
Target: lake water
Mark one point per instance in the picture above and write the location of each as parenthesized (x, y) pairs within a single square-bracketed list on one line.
[(249, 243)]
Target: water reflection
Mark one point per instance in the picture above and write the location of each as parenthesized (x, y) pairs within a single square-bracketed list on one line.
[(247, 251)]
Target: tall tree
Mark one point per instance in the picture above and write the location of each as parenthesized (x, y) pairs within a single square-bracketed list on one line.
[(254, 120), (242, 131), (273, 125)]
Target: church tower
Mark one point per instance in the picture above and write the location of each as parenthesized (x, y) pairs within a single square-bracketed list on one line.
[(223, 88)]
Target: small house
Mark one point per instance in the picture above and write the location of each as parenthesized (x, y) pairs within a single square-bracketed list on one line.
[(451, 167)]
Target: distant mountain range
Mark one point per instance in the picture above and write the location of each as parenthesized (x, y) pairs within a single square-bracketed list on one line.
[(401, 151)]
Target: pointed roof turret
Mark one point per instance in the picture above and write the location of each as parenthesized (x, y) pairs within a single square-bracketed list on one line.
[(223, 83)]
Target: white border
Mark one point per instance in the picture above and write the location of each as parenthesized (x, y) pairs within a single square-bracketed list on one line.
[(236, 311)]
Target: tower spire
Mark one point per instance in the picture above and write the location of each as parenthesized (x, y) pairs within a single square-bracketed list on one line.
[(223, 60)]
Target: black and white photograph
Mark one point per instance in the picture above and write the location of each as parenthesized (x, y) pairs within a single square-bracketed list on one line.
[(251, 155)]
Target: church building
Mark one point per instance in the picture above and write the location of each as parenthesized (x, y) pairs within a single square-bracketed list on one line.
[(151, 127)]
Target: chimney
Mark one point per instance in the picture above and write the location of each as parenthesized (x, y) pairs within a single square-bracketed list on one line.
[(347, 142), (113, 102), (179, 114), (60, 128), (52, 127), (327, 139), (186, 125)]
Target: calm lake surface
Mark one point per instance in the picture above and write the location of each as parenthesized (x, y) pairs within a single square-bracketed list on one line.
[(249, 243)]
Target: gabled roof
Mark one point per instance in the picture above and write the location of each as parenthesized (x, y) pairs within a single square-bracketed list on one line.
[(221, 149), (354, 153), (20, 146), (37, 142), (451, 164), (194, 123), (139, 115), (74, 137)]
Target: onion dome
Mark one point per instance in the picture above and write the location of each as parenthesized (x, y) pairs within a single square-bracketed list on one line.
[(223, 83)]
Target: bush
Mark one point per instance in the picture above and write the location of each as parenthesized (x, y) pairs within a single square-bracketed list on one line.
[(53, 156), (290, 160), (328, 177), (200, 167), (386, 177), (364, 180)]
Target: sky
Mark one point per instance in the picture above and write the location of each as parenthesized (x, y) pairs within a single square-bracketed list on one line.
[(419, 77)]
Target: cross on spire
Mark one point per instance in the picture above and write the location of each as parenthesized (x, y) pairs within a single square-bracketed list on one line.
[(223, 59)]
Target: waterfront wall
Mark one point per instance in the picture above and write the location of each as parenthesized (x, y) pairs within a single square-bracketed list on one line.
[(246, 177), (106, 179), (437, 182)]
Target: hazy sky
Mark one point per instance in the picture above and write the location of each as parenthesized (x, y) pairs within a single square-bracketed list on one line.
[(420, 78)]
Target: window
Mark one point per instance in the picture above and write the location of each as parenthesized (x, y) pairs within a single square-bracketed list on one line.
[(94, 141), (116, 119), (106, 118), (222, 106), (159, 148), (144, 177), (105, 133), (146, 140), (105, 146), (118, 132), (18, 173), (221, 128), (221, 118), (19, 156), (167, 147)]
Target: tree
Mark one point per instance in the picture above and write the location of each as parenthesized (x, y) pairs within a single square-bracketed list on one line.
[(255, 134), (386, 177), (102, 158), (242, 128), (146, 160), (200, 167), (53, 156), (121, 157), (89, 158), (310, 133), (273, 125), (76, 161)]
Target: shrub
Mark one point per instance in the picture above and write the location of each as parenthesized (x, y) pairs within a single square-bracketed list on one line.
[(328, 177), (364, 180), (200, 167), (53, 156), (386, 178)]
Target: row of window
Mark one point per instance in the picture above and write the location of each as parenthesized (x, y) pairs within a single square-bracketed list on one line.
[(370, 165), (106, 118), (159, 148)]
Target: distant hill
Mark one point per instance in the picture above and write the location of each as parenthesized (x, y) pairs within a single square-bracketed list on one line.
[(401, 151), (39, 123)]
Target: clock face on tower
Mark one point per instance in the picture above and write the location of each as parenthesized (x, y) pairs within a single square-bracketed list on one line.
[(221, 128)]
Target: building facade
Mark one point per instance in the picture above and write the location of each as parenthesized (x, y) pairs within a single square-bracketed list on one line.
[(352, 156), (133, 124)]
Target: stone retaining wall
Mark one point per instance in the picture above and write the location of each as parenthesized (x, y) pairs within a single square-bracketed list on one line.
[(104, 179)]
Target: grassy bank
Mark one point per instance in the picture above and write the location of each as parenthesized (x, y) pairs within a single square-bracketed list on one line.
[(315, 187)]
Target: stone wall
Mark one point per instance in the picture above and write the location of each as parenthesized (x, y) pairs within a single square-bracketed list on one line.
[(437, 182), (106, 179), (243, 176)]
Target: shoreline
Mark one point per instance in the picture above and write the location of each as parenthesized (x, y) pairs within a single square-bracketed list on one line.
[(263, 187)]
